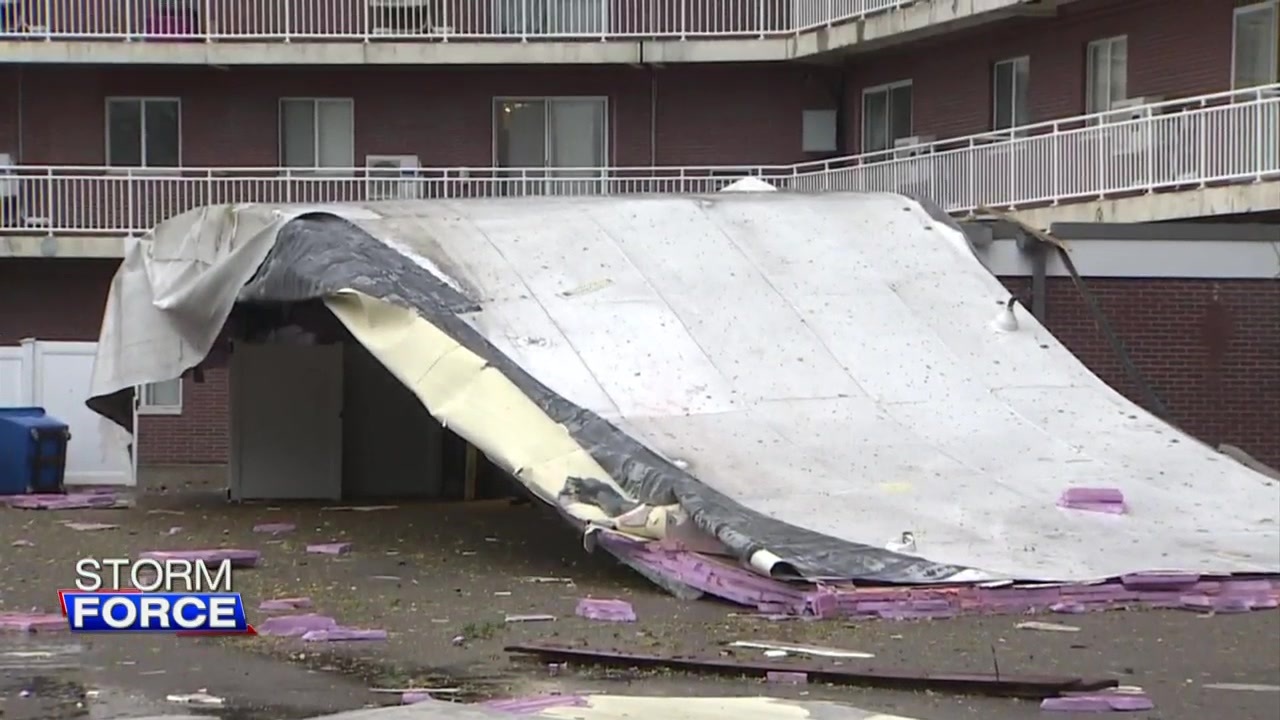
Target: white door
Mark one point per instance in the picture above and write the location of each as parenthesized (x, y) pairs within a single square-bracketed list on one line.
[(14, 382), (59, 380), (286, 422)]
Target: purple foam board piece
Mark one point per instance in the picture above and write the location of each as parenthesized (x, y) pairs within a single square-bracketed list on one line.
[(58, 501), (1068, 608), (1102, 702), (239, 558), (333, 548), (275, 528), (285, 604), (609, 610), (31, 622), (1218, 604), (1101, 500), (535, 704), (412, 698), (338, 634), (783, 677), (295, 625)]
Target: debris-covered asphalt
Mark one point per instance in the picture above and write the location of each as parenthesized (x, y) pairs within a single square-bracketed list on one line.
[(442, 579)]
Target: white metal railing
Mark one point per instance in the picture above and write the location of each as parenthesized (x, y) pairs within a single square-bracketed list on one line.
[(1226, 137), (371, 20)]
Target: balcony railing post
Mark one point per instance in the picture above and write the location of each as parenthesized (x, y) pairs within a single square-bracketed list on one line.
[(206, 21), (130, 201), (1260, 143), (48, 20), (49, 204)]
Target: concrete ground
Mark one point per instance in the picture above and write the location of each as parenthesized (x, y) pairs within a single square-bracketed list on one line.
[(429, 573)]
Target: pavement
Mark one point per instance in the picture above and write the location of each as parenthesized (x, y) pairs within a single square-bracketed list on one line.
[(457, 571)]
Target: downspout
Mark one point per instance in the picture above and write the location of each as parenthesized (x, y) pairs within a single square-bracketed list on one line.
[(17, 160), (653, 116)]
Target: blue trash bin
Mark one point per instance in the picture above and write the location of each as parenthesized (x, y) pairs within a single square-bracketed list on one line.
[(33, 451)]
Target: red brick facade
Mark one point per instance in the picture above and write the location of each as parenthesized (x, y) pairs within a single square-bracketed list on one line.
[(731, 114), (1210, 349)]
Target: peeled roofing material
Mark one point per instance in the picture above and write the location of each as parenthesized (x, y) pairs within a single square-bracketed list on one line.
[(804, 378)]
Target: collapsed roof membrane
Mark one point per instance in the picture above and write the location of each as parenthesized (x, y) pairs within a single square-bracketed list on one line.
[(793, 380)]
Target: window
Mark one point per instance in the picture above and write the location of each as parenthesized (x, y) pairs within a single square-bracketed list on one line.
[(1254, 42), (1106, 73), (161, 398), (144, 132), (886, 115), (568, 132), (1009, 82), (317, 133), (818, 131)]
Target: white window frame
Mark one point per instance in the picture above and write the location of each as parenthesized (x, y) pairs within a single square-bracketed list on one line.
[(106, 134), (493, 124), (886, 88), (1024, 60), (315, 141), (1091, 74), (147, 407), (1274, 64)]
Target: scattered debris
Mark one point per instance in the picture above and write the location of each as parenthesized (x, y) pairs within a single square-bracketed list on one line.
[(534, 705), (162, 511), (1101, 500), (358, 508), (387, 577), (537, 579), (333, 548), (295, 625), (173, 530), (22, 543), (1002, 685), (337, 634), (69, 501), (238, 558), (528, 618), (1046, 626), (200, 697), (1120, 699), (90, 526), (610, 610), (275, 528), (31, 622), (285, 604), (787, 678), (1248, 687), (814, 650), (775, 654)]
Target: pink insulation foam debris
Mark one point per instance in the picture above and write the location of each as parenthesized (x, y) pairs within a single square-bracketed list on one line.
[(275, 528), (337, 634), (238, 558), (1101, 500), (31, 622), (334, 548), (1099, 702), (69, 501), (412, 698), (295, 625), (535, 704), (606, 609), (285, 604)]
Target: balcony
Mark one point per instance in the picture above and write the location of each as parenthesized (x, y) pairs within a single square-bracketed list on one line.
[(1221, 139), (418, 31)]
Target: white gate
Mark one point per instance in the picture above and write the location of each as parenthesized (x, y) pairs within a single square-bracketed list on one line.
[(55, 376)]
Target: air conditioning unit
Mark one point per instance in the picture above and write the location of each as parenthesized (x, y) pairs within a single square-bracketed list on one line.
[(393, 177), (399, 17), (1133, 109), (913, 146)]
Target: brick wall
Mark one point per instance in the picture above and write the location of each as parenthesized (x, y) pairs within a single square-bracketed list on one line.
[(1211, 350)]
